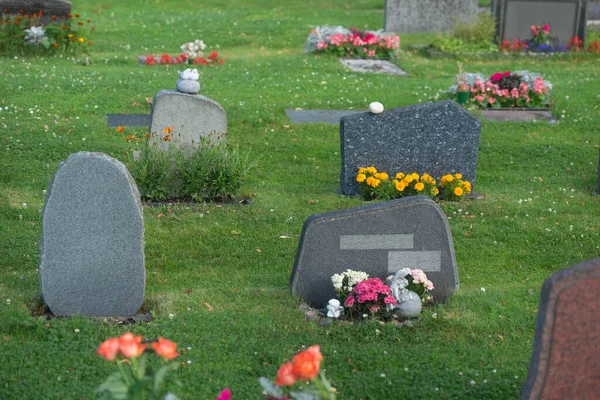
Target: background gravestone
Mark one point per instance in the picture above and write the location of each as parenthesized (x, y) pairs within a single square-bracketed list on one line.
[(565, 363), (192, 117), (410, 16), (92, 244), (379, 239), (566, 17), (433, 138), (49, 7)]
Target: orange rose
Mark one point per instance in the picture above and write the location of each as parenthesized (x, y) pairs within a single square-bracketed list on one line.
[(165, 348), (285, 375), (109, 349), (307, 363), (131, 346)]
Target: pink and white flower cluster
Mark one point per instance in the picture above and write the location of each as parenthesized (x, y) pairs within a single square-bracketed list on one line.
[(489, 94), (371, 294), (419, 277), (352, 44)]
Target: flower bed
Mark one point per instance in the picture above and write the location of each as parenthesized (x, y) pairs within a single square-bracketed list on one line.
[(24, 33), (352, 43), (192, 53), (542, 42), (504, 90), (378, 185)]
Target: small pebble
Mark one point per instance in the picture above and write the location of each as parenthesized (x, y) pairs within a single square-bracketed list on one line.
[(376, 107)]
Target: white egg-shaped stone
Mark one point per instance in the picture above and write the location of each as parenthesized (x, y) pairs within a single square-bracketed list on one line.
[(376, 107)]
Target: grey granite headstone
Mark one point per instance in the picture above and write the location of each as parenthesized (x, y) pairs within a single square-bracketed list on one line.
[(92, 244), (193, 118), (379, 239), (318, 116), (373, 66), (49, 7), (567, 18), (411, 16), (434, 138), (565, 363)]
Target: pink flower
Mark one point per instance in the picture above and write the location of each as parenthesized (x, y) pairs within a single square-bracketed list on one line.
[(225, 395), (371, 53), (546, 28), (389, 300), (533, 29), (374, 309), (480, 97), (514, 93), (321, 45), (349, 301)]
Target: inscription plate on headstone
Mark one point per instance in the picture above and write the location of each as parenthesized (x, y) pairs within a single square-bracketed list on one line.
[(378, 239), (434, 138), (565, 363), (92, 244)]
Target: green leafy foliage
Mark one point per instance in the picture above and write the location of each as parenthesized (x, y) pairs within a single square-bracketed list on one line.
[(472, 36)]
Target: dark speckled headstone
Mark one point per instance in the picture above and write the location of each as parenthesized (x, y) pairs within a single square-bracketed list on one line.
[(92, 245), (565, 363), (379, 239), (434, 138), (49, 7)]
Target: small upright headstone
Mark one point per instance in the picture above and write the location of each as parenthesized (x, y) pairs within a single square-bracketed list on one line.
[(434, 138), (379, 239), (92, 244), (565, 363), (192, 118), (49, 7), (412, 16), (567, 18)]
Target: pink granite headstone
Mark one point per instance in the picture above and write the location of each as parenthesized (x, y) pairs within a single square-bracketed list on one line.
[(565, 363)]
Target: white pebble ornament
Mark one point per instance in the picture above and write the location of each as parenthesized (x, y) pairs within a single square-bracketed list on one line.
[(376, 107)]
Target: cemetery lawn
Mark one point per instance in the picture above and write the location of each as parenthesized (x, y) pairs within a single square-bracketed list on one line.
[(217, 276)]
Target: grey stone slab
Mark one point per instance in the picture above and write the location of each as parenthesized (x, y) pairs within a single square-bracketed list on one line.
[(593, 11), (409, 232), (411, 16), (92, 244), (318, 116), (373, 66), (566, 17), (565, 362), (193, 118), (521, 115), (49, 7), (115, 120), (434, 138)]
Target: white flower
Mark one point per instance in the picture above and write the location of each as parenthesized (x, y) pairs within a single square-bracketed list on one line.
[(35, 34), (334, 308), (189, 74)]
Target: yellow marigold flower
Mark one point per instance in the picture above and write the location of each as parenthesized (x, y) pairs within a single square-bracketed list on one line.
[(395, 181), (399, 175), (405, 182), (408, 178), (81, 40), (360, 178), (458, 192), (446, 179), (168, 130), (362, 170), (400, 186), (381, 175), (458, 176), (70, 35), (372, 170), (415, 176), (467, 185), (373, 182), (419, 186), (436, 191)]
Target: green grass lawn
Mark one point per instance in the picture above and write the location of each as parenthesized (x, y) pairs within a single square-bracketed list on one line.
[(217, 276)]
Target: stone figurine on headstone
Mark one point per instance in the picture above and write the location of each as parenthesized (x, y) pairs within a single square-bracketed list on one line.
[(379, 239), (92, 244), (434, 138), (187, 118), (412, 16), (49, 7), (565, 363)]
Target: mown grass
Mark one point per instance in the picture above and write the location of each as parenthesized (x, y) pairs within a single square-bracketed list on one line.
[(540, 213)]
